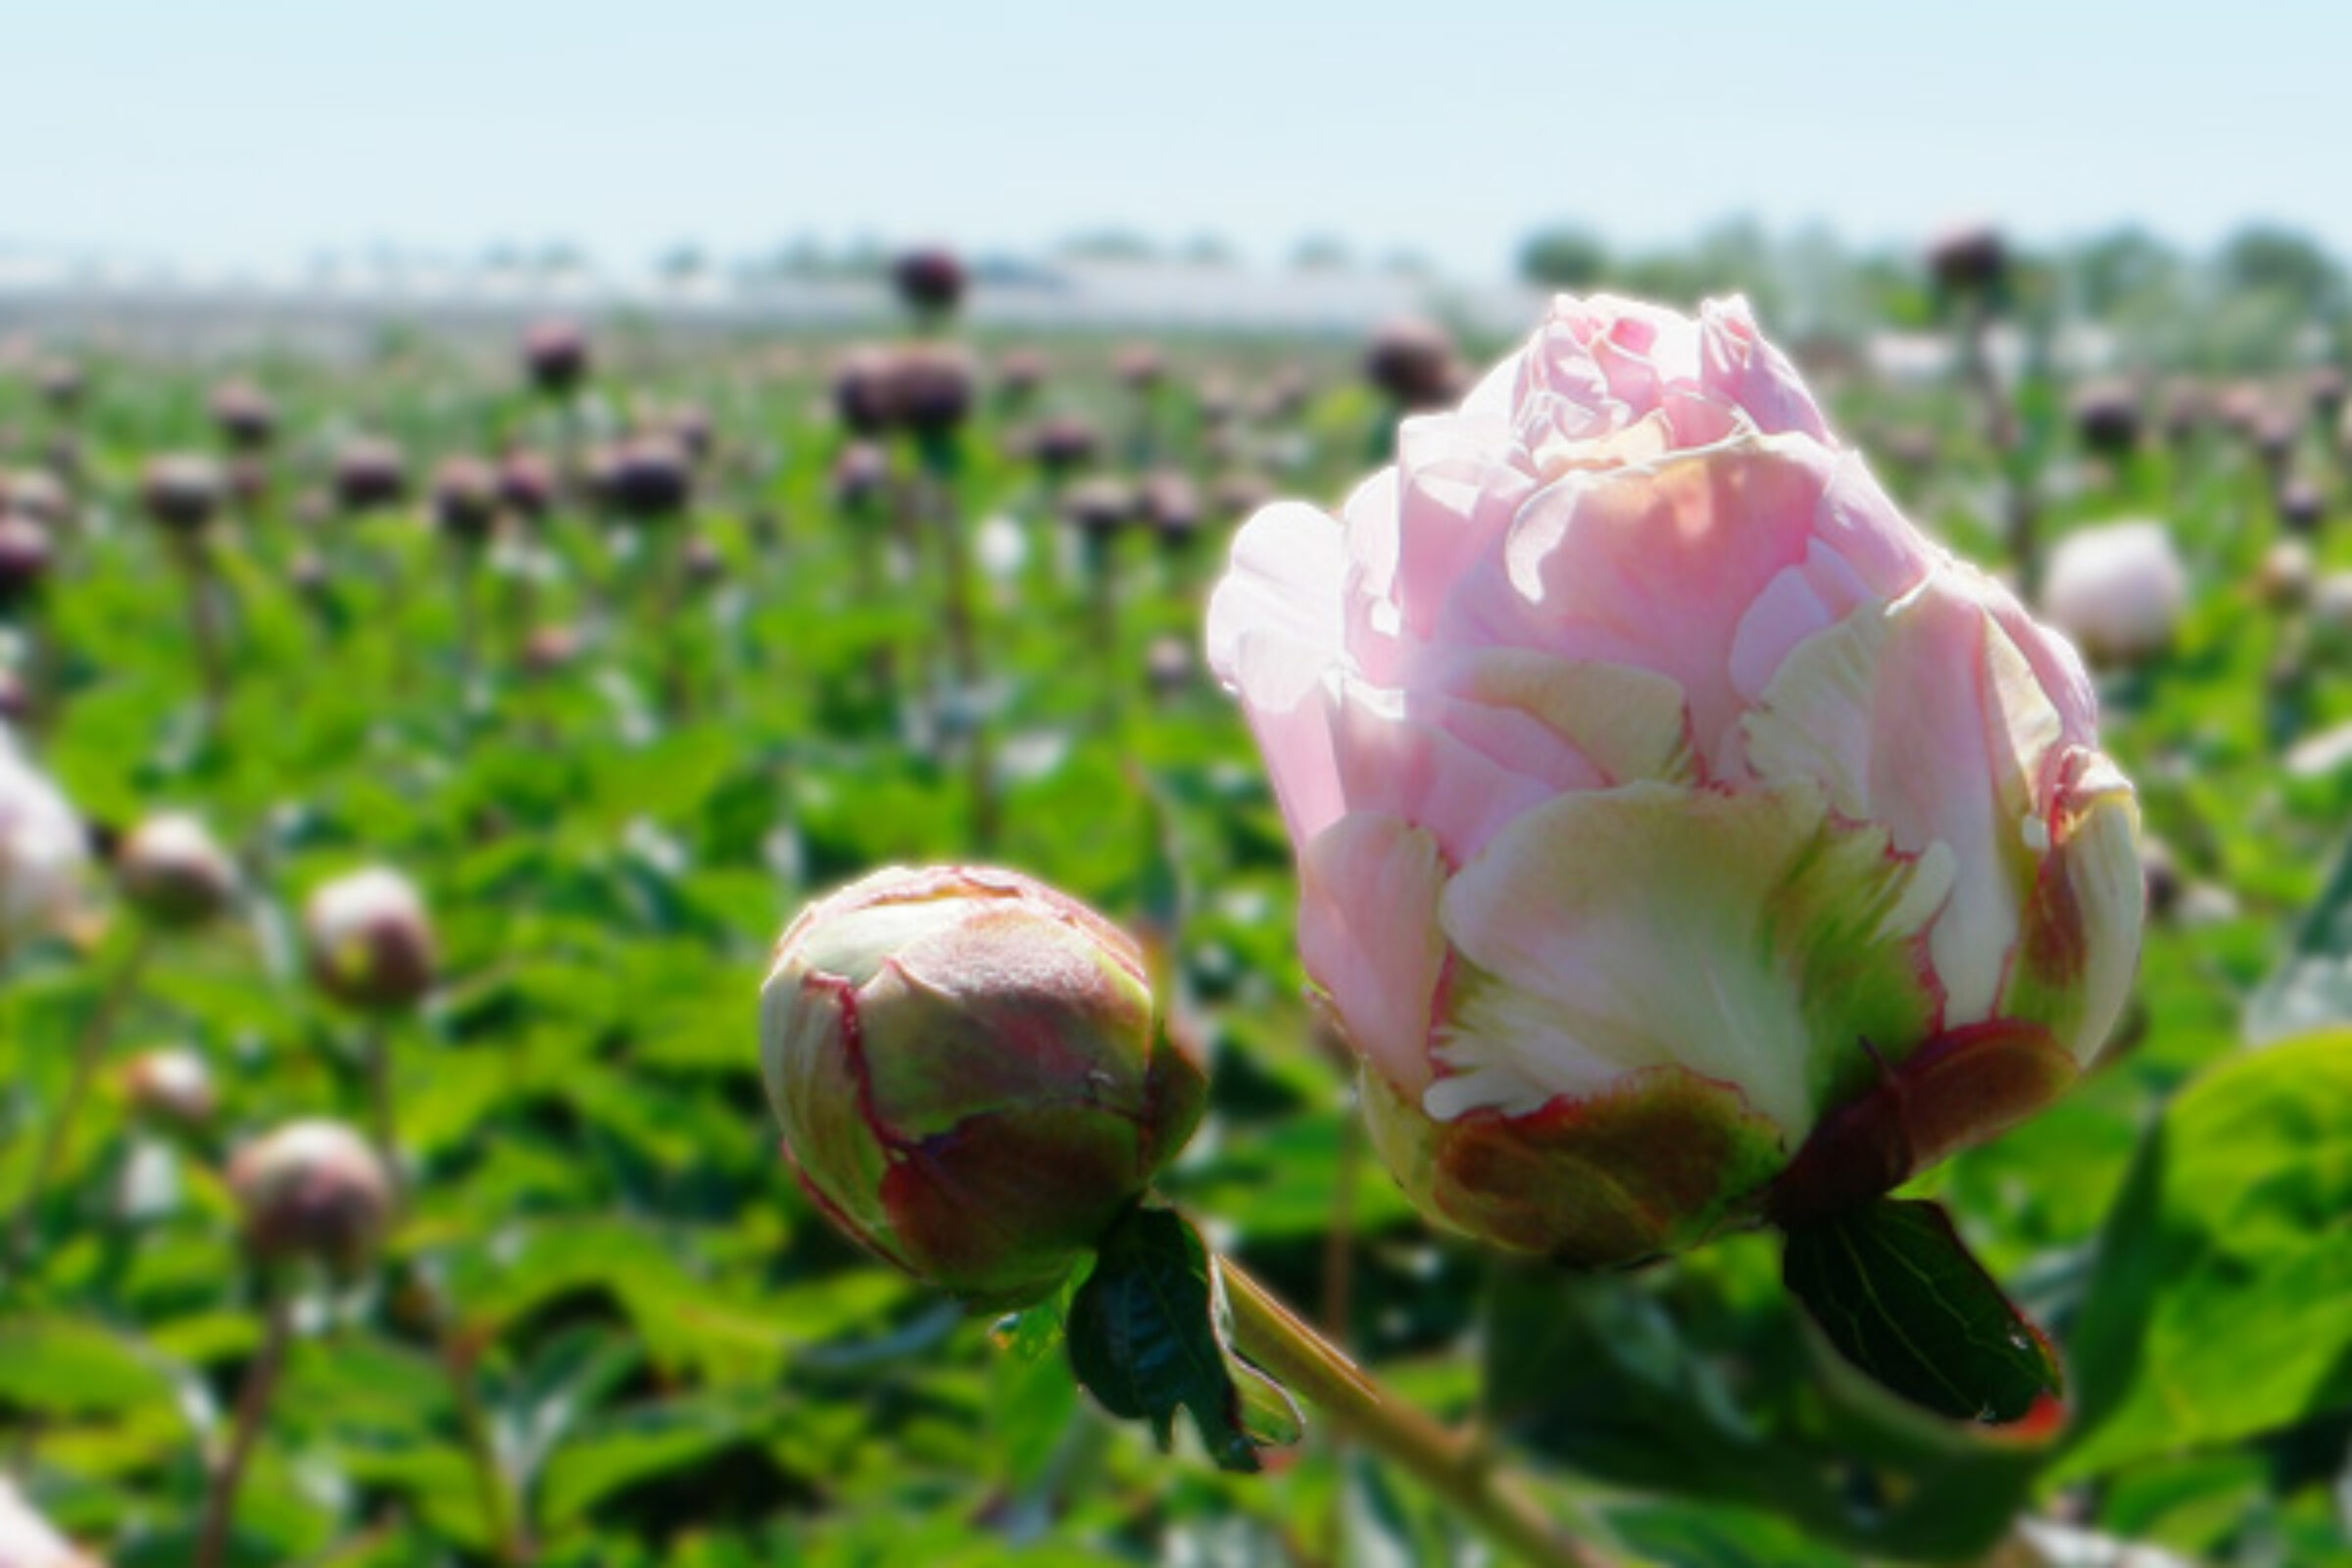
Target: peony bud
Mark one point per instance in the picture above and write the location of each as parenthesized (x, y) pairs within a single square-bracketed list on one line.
[(369, 473), (526, 484), (2302, 506), (1684, 837), (1101, 506), (554, 354), (970, 1074), (465, 499), (24, 558), (1063, 442), (181, 492), (1411, 361), (312, 1189), (42, 852), (243, 414), (649, 479), (2283, 580), (371, 944), (2107, 417), (1171, 504), (862, 390), (170, 1086), (930, 387), (930, 280), (173, 872), (2117, 590), (1969, 259)]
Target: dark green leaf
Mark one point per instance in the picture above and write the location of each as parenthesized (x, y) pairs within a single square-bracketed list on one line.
[(1146, 1341), (1897, 1292)]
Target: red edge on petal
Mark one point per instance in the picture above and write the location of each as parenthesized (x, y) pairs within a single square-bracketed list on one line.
[(1958, 1089), (1647, 1167)]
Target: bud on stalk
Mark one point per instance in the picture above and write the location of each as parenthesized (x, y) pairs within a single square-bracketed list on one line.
[(971, 1076)]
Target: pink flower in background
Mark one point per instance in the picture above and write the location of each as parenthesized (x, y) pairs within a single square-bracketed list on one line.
[(1662, 795)]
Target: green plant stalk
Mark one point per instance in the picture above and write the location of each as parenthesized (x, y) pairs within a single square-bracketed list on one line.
[(253, 1408), (90, 1053), (1455, 1466)]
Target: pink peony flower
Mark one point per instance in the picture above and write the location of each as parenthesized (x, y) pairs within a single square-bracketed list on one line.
[(1683, 836)]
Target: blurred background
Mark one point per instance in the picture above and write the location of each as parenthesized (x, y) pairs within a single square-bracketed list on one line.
[(604, 474)]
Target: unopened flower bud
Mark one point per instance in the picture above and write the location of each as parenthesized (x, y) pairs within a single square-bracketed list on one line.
[(244, 415), (1412, 361), (554, 354), (526, 485), (312, 1189), (369, 473), (170, 1086), (1099, 507), (371, 944), (862, 390), (930, 280), (2107, 417), (1063, 443), (970, 1074), (181, 492), (466, 499), (649, 480), (24, 558), (2117, 590), (931, 387), (174, 872)]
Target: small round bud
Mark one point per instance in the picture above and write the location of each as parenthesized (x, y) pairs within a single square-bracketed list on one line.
[(1239, 493), (369, 473), (1063, 443), (862, 390), (371, 944), (465, 499), (1101, 506), (690, 427), (1171, 504), (2107, 419), (39, 495), (860, 473), (1412, 361), (526, 485), (174, 872), (1169, 665), (312, 1189), (2324, 386), (931, 387), (554, 354), (970, 1074), (551, 649), (171, 1086), (2283, 580), (181, 492), (649, 479), (1968, 258), (2302, 507), (243, 414), (930, 280), (24, 558)]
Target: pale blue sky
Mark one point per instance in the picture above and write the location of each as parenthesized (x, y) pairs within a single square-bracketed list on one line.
[(214, 131)]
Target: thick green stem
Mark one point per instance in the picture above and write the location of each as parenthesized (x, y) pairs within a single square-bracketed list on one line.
[(1455, 1466)]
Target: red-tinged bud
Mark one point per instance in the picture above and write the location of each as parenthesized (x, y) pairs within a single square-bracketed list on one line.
[(465, 499), (243, 414), (174, 872), (173, 1086), (371, 944), (971, 1075), (181, 492), (1412, 362), (930, 280), (369, 473), (554, 354), (312, 1189)]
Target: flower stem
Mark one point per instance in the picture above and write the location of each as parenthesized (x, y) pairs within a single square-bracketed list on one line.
[(90, 1053), (1453, 1464), (512, 1547), (253, 1405), (382, 1111)]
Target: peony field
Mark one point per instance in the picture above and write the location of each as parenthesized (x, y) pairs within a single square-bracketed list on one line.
[(1344, 838)]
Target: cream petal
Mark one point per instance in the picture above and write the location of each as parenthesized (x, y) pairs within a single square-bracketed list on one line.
[(1744, 937)]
